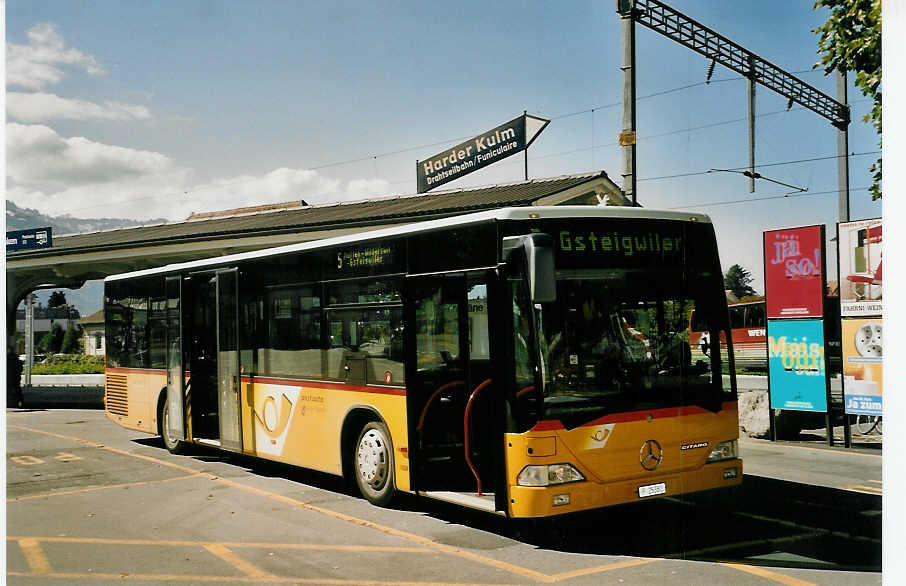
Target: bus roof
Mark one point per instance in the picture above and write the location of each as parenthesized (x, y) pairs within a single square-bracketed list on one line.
[(517, 213)]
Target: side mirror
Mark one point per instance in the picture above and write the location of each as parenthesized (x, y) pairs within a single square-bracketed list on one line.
[(537, 254)]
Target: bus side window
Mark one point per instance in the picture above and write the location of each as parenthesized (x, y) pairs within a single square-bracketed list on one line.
[(755, 316), (291, 344), (436, 332), (737, 318)]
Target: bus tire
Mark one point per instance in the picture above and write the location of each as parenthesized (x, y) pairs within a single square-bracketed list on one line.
[(174, 446), (372, 462)]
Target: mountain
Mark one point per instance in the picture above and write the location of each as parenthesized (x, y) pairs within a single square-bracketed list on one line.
[(23, 218), (90, 297)]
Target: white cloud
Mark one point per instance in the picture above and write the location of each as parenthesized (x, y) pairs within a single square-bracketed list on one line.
[(38, 64), (37, 154), (282, 185), (365, 188), (87, 179), (42, 107)]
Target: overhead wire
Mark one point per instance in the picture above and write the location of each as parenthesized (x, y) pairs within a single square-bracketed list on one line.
[(767, 197), (242, 180)]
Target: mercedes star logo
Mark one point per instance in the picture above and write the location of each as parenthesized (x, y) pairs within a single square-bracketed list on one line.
[(650, 455)]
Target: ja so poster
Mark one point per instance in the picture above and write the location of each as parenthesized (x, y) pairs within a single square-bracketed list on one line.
[(794, 272)]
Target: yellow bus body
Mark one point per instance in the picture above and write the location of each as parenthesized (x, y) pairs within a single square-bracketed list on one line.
[(299, 423)]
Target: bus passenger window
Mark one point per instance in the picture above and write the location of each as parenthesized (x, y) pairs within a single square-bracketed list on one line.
[(291, 344), (436, 332), (479, 341), (755, 316), (374, 335)]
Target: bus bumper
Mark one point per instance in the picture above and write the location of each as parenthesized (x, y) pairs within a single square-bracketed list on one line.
[(549, 501)]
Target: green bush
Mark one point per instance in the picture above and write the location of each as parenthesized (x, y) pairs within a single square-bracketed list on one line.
[(70, 364)]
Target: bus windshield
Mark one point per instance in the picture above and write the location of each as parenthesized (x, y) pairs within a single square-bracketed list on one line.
[(616, 340)]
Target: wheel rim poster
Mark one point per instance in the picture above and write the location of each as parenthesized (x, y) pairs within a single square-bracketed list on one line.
[(861, 308), (794, 269)]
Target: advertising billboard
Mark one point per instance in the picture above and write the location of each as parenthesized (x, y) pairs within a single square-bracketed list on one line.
[(862, 365), (859, 250), (488, 147), (794, 272), (796, 365)]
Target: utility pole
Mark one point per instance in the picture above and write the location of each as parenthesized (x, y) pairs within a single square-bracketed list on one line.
[(842, 154), (627, 138), (29, 336), (751, 84)]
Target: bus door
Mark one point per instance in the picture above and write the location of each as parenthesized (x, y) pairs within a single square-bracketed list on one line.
[(228, 371), (175, 373), (451, 397)]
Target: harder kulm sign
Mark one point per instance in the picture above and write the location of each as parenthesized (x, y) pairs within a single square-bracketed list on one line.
[(476, 153)]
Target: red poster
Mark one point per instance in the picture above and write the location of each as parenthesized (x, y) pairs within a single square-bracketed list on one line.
[(794, 272)]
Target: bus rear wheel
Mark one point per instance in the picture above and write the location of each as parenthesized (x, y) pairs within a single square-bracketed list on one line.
[(173, 445), (373, 464)]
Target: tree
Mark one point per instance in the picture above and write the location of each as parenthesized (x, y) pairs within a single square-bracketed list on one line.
[(72, 340), (737, 280), (57, 299), (52, 341), (850, 40)]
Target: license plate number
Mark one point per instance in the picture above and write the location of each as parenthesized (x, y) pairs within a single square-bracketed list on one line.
[(653, 489)]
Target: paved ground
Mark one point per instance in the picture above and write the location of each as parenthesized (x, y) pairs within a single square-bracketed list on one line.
[(89, 502), (810, 462)]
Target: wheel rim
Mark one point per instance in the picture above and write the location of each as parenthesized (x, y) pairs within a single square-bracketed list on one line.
[(372, 458)]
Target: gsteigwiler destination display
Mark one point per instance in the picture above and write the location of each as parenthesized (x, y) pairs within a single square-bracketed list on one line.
[(488, 147), (625, 243)]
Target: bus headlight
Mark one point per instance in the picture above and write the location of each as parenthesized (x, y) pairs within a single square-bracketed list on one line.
[(724, 451), (549, 474)]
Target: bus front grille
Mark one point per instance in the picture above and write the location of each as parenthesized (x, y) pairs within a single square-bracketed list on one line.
[(117, 395)]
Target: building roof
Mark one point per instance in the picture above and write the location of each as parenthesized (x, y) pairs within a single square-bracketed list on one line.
[(261, 220), (95, 318)]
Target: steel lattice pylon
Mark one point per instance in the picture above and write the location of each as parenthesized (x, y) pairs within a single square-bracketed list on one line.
[(712, 45)]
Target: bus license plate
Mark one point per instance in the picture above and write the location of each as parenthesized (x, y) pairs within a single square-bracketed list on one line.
[(653, 489)]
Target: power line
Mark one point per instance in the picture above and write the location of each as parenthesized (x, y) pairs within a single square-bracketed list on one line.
[(779, 196), (195, 191), (776, 164)]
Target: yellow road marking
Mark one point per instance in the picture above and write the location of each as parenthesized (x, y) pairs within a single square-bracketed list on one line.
[(26, 460), (96, 488), (860, 488), (194, 578), (874, 481), (34, 555), (231, 544), (66, 457), (604, 568), (327, 512), (244, 566), (449, 549), (774, 576)]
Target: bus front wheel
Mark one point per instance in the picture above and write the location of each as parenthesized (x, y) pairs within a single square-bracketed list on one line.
[(173, 445), (373, 462)]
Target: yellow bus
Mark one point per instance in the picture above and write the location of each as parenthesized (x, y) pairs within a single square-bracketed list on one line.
[(526, 361)]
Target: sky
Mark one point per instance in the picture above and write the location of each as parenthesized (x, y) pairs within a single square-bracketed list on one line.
[(147, 110)]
